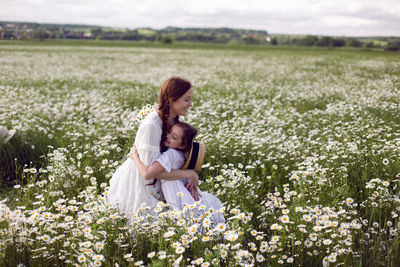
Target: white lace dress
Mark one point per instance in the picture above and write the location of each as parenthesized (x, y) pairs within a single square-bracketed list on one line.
[(175, 192), (128, 190)]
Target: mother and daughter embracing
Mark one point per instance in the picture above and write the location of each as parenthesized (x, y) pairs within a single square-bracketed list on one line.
[(162, 146)]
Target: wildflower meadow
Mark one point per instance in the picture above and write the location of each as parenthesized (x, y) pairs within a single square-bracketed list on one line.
[(303, 150)]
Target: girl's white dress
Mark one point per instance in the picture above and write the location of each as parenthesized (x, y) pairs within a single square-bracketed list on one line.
[(175, 192), (128, 190)]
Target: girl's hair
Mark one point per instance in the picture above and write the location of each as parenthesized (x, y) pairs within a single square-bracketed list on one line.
[(189, 132), (170, 91)]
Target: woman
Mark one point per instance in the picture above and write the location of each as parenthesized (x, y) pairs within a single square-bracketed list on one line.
[(128, 189)]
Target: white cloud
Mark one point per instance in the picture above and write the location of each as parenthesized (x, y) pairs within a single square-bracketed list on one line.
[(329, 17)]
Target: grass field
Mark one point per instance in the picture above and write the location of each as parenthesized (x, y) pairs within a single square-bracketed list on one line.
[(302, 144)]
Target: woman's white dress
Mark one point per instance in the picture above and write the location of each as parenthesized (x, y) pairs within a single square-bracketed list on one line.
[(128, 190), (175, 192)]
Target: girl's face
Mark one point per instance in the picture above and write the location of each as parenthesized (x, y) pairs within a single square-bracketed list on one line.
[(174, 138), (182, 104)]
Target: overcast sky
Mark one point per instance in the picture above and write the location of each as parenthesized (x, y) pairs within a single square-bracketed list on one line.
[(325, 17)]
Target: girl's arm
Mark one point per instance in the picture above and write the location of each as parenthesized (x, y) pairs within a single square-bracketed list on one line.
[(147, 172)]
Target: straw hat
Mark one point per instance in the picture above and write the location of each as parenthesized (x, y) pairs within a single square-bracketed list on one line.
[(5, 135), (196, 157)]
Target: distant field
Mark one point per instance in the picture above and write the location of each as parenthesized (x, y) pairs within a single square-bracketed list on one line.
[(180, 45), (146, 31), (302, 147)]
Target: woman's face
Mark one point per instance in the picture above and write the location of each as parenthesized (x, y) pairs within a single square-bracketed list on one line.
[(174, 138), (182, 104)]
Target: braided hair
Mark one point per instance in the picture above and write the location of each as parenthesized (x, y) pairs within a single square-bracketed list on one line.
[(170, 91)]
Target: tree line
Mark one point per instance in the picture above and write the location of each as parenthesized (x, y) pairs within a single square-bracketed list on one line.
[(26, 30), (389, 43)]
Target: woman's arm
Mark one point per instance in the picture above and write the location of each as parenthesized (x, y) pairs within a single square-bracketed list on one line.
[(160, 173), (156, 170), (193, 180), (177, 175), (147, 172)]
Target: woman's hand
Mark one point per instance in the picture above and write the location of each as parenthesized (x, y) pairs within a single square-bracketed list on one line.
[(192, 185), (195, 193), (133, 152)]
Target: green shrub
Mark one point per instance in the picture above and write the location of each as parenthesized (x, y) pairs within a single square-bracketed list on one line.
[(19, 153), (392, 47)]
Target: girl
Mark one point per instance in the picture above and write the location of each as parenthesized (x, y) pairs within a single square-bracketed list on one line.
[(128, 190), (179, 142)]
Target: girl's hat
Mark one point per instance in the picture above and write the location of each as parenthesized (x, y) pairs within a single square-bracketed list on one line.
[(5, 135), (196, 157)]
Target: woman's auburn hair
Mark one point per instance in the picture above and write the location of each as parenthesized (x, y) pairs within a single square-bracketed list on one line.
[(171, 90)]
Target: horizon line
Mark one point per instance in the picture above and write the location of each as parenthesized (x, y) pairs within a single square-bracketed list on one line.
[(192, 27)]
